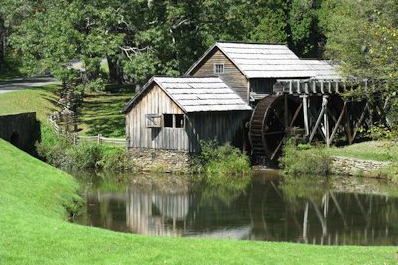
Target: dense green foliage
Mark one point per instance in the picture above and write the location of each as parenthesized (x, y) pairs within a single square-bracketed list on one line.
[(363, 34), (221, 160), (141, 38), (304, 160), (34, 231)]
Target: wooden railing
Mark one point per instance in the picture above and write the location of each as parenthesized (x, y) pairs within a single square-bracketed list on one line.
[(76, 138)]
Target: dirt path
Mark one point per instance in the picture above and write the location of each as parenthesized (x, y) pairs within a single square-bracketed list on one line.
[(23, 83)]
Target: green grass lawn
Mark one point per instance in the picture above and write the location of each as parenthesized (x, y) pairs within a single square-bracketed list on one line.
[(43, 100), (372, 150), (34, 230), (100, 113)]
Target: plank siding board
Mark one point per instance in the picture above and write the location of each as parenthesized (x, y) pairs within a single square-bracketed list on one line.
[(155, 101), (232, 76)]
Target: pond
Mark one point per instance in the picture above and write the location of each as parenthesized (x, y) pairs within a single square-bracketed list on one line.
[(314, 211)]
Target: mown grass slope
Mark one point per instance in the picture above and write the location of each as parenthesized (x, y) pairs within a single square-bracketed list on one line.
[(42, 100), (34, 230), (99, 112)]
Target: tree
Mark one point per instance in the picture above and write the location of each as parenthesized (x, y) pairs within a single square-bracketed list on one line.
[(363, 36)]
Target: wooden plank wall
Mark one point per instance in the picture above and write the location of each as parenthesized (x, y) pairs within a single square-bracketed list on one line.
[(155, 101), (232, 76), (223, 126)]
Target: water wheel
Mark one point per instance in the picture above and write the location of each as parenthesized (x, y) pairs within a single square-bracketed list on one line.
[(274, 120)]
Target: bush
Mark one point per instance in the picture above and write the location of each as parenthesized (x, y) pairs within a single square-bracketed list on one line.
[(225, 160), (59, 152), (305, 160)]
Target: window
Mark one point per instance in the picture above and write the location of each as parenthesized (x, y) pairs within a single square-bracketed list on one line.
[(173, 120), (168, 120), (218, 68), (179, 120), (153, 120)]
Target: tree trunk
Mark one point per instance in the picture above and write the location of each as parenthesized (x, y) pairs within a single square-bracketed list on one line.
[(115, 70), (2, 45)]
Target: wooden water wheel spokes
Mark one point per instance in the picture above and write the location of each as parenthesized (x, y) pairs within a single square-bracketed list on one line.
[(273, 121)]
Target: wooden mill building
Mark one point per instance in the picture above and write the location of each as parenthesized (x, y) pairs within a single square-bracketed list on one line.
[(215, 99)]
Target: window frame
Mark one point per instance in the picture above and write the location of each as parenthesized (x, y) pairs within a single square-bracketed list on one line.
[(218, 66), (150, 117), (174, 121)]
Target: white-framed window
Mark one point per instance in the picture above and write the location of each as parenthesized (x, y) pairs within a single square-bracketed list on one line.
[(173, 121), (153, 120), (218, 68)]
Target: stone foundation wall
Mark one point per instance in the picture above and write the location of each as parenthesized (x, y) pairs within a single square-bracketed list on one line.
[(160, 160), (354, 167)]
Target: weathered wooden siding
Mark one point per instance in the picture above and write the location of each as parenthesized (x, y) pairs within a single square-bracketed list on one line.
[(155, 101), (222, 126), (232, 76)]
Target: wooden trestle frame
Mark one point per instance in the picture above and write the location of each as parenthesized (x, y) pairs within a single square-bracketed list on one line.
[(319, 112)]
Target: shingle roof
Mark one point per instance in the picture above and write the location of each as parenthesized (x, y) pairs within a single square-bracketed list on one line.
[(262, 60), (196, 94), (323, 69)]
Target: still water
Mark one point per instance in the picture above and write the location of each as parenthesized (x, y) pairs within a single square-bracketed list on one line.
[(342, 212)]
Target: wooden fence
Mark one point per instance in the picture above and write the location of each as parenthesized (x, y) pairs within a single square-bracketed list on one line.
[(76, 138)]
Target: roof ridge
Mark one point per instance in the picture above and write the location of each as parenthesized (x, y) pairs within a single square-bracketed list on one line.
[(251, 42)]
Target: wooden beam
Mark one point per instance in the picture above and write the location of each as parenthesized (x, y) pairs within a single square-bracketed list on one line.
[(326, 120), (317, 122), (305, 113), (338, 122), (360, 120)]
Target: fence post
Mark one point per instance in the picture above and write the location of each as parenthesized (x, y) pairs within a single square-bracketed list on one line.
[(75, 138), (99, 138)]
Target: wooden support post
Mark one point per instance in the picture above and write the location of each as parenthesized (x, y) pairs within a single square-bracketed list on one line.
[(322, 87), (360, 120), (298, 86), (338, 122), (99, 138), (330, 86), (326, 120), (290, 87), (305, 114), (318, 121), (306, 90), (314, 86), (348, 127)]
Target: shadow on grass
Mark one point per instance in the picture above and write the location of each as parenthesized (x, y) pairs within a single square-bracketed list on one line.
[(101, 114)]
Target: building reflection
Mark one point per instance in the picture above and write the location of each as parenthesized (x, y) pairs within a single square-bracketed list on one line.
[(265, 210)]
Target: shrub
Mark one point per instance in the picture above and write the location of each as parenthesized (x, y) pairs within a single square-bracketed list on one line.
[(59, 152), (305, 160), (224, 160), (116, 159)]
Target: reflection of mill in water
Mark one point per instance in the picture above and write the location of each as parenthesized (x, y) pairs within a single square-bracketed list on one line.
[(264, 210), (154, 213)]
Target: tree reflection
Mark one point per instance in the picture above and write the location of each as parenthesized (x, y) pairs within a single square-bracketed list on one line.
[(307, 209)]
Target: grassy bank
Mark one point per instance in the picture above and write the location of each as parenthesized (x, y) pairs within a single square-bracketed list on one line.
[(42, 100), (372, 150), (385, 151), (34, 231), (99, 112)]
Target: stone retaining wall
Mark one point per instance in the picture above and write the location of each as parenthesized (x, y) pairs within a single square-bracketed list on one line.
[(22, 130), (354, 167), (160, 160)]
